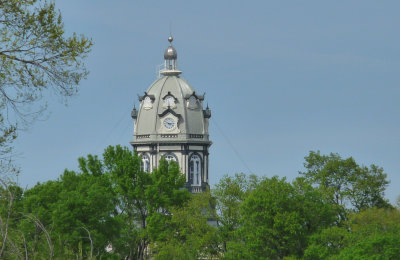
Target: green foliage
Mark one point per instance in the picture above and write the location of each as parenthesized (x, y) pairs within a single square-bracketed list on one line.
[(229, 193), (374, 234), (325, 214), (370, 234), (8, 133), (109, 202), (326, 243), (188, 234), (346, 184), (75, 209), (35, 55), (276, 220), (144, 199)]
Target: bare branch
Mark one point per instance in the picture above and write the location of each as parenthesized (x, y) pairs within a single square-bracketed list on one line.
[(10, 203), (91, 242), (41, 226)]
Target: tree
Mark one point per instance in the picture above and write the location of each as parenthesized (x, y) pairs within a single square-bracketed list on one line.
[(346, 184), (326, 243), (373, 233), (35, 55), (144, 199), (398, 202), (39, 204), (7, 135), (109, 202), (10, 198), (78, 211), (277, 219), (229, 193), (188, 233), (129, 183)]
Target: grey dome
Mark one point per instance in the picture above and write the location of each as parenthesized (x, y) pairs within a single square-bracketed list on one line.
[(191, 120), (171, 123), (170, 53)]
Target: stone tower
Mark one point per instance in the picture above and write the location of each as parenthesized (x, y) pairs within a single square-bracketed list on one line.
[(172, 123)]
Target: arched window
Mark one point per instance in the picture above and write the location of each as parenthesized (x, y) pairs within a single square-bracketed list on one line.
[(195, 170), (170, 157), (145, 166)]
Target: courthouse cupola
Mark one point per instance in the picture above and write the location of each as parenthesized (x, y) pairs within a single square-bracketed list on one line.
[(170, 60), (171, 123)]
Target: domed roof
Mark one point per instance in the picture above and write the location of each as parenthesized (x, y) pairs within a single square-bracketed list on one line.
[(170, 53), (186, 108)]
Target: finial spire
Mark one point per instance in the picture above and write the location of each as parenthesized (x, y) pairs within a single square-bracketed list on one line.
[(170, 63), (134, 112)]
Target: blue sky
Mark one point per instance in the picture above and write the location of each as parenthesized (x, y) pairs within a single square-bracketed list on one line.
[(281, 77)]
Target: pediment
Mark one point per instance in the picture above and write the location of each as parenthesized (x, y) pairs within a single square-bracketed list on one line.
[(152, 97), (169, 110)]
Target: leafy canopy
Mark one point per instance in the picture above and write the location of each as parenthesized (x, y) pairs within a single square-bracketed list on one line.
[(35, 56), (277, 219), (346, 184)]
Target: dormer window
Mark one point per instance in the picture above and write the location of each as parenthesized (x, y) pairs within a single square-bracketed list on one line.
[(192, 102), (169, 100), (147, 103)]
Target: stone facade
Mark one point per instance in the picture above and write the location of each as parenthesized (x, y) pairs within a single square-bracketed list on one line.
[(172, 123)]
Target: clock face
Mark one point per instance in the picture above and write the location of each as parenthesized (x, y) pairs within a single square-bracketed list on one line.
[(170, 101), (169, 123)]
